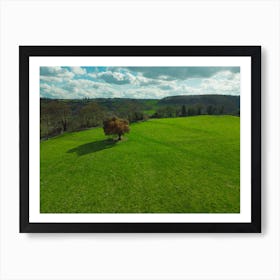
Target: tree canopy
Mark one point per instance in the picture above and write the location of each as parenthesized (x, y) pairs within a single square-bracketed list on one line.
[(116, 126)]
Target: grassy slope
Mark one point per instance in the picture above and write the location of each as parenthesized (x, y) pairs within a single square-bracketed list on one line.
[(165, 165)]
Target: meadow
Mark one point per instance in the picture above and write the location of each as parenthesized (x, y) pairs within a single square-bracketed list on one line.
[(168, 165)]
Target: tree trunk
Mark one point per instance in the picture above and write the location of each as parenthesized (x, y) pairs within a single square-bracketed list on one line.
[(64, 123), (47, 129), (120, 137)]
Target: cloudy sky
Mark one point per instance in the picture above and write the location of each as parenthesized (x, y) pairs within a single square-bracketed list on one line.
[(137, 82)]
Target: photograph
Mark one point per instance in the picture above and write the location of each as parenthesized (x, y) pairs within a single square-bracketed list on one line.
[(139, 139)]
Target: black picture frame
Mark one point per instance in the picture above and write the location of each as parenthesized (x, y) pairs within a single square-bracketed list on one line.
[(25, 52)]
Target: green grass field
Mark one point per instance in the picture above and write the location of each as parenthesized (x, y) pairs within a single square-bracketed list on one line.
[(176, 165)]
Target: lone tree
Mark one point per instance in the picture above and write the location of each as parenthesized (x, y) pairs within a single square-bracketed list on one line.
[(116, 126)]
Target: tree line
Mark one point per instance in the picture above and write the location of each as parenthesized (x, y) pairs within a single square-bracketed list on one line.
[(184, 111), (59, 116)]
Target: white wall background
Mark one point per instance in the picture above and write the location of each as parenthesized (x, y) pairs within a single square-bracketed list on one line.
[(139, 256)]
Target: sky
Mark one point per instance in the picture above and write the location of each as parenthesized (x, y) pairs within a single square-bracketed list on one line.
[(137, 82)]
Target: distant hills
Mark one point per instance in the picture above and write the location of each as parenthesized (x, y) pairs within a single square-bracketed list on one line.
[(59, 115), (230, 103)]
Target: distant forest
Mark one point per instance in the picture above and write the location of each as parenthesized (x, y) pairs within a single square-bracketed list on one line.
[(61, 115)]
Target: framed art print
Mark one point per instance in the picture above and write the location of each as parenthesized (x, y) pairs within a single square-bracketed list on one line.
[(140, 138)]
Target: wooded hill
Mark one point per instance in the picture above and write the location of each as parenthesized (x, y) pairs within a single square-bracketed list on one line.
[(230, 103), (59, 115)]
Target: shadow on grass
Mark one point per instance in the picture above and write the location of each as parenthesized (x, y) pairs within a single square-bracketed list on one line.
[(93, 147)]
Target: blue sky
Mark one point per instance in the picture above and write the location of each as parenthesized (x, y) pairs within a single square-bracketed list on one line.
[(137, 82)]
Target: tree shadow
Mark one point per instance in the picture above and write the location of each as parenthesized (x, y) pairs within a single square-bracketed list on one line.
[(93, 147)]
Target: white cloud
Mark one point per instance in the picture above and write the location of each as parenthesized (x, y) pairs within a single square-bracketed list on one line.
[(78, 70), (222, 83), (79, 88), (50, 79), (62, 82), (56, 71), (52, 91), (112, 77)]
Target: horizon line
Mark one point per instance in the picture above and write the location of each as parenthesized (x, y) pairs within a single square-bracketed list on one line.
[(89, 98)]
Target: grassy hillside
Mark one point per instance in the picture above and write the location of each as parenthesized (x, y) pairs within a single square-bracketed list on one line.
[(176, 165)]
